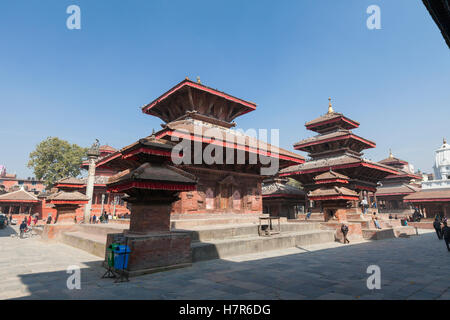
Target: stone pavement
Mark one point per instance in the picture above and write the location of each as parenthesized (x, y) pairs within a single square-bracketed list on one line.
[(411, 268)]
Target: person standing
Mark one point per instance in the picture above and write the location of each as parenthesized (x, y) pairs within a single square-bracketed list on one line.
[(446, 235), (23, 228), (364, 205), (344, 230), (94, 219), (437, 227)]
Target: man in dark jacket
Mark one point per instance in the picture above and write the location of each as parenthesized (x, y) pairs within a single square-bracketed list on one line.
[(23, 227), (446, 235), (344, 230), (437, 227)]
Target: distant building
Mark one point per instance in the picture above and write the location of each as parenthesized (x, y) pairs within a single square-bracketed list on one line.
[(434, 198), (22, 197), (10, 182)]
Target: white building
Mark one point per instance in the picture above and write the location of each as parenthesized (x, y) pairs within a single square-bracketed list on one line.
[(441, 169)]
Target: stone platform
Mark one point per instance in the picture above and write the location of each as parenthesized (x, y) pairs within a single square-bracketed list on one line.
[(227, 237)]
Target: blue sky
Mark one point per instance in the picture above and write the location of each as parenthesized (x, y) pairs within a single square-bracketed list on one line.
[(287, 56)]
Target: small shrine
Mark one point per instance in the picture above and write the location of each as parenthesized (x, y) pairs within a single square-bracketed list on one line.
[(332, 195), (66, 203), (152, 186)]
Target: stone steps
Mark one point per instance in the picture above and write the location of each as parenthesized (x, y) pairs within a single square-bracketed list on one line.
[(252, 244), (214, 241), (93, 243), (220, 232), (194, 223)]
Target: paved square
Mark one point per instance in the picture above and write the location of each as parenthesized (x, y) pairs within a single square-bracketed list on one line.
[(411, 268)]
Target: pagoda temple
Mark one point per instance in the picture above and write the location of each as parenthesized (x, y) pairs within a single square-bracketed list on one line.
[(337, 177), (392, 190), (201, 118), (151, 185)]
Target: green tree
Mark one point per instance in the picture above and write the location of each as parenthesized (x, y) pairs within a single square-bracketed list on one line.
[(295, 183), (54, 159)]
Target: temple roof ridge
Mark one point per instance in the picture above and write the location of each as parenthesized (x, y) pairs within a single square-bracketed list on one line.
[(188, 96)]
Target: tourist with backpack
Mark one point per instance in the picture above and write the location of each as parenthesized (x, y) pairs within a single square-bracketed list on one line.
[(344, 230)]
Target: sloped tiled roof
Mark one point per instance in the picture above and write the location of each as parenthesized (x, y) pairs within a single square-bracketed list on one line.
[(436, 194), (19, 195), (67, 196), (334, 191), (228, 135), (277, 188), (330, 175), (150, 172), (70, 180), (392, 190)]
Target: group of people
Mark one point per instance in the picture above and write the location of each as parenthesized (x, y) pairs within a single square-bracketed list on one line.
[(104, 218), (442, 230)]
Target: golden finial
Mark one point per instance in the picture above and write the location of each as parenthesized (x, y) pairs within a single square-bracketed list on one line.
[(198, 80), (187, 78), (330, 108), (390, 154), (444, 141)]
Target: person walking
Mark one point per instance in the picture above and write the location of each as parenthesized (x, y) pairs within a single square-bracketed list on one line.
[(437, 227), (446, 235), (344, 230), (94, 219)]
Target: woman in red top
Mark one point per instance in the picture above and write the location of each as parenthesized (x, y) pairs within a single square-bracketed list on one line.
[(29, 220)]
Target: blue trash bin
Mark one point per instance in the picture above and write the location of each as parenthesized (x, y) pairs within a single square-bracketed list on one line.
[(121, 254)]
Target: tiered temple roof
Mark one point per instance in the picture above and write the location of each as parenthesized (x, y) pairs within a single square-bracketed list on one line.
[(336, 148), (206, 101), (199, 113)]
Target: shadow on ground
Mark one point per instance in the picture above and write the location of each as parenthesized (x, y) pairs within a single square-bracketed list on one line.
[(414, 268)]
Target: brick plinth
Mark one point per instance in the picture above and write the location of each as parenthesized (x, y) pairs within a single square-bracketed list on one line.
[(150, 217), (66, 213), (154, 252)]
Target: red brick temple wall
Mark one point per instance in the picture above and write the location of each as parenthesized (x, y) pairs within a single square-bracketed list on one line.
[(214, 197)]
